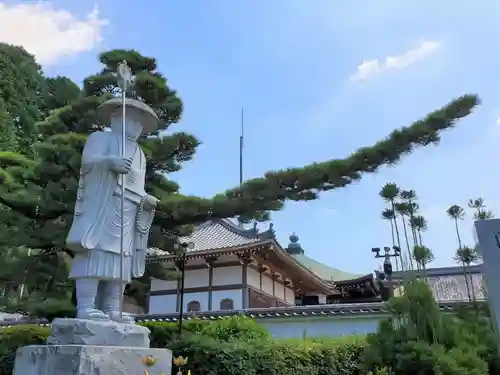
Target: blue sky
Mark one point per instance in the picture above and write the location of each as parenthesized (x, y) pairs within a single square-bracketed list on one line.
[(302, 72)]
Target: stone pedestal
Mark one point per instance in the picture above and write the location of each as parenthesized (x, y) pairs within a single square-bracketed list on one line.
[(90, 360), (93, 347), (96, 332)]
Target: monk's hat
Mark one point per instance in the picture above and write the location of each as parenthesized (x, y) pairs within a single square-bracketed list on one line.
[(149, 121)]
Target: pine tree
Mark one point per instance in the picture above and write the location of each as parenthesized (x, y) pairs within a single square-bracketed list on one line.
[(42, 193)]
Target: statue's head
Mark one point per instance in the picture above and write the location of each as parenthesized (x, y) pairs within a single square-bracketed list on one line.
[(140, 119)]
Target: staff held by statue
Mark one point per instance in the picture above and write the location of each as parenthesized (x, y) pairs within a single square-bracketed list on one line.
[(124, 75)]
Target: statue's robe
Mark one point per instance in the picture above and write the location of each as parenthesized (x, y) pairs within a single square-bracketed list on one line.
[(95, 232)]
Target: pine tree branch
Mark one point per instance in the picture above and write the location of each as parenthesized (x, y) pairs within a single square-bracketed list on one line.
[(268, 193)]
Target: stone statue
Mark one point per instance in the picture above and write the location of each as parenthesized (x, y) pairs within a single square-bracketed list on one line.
[(95, 234)]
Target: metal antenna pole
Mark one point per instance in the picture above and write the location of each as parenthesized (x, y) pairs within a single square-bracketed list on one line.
[(124, 76), (241, 147)]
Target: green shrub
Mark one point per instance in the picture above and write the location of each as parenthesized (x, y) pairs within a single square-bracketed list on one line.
[(51, 309), (419, 339), (15, 337), (226, 329), (235, 345), (209, 356), (162, 334)]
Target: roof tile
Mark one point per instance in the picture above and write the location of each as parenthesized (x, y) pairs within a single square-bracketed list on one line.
[(218, 234), (454, 288)]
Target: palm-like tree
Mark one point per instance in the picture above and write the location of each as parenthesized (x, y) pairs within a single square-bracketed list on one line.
[(388, 214), (389, 193), (457, 213), (402, 210), (410, 197), (467, 255), (481, 212), (423, 256), (419, 225)]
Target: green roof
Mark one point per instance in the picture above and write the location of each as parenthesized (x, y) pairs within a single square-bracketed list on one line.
[(327, 273)]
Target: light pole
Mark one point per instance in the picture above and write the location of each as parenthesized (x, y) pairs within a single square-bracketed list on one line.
[(180, 263), (396, 252)]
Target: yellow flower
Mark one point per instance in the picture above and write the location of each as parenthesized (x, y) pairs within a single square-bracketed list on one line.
[(149, 360), (189, 372), (146, 372), (180, 361)]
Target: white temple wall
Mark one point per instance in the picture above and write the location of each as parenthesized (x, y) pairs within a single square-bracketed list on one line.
[(157, 284), (267, 285), (310, 326), (279, 291), (162, 304), (227, 275), (290, 296), (196, 278), (201, 297), (253, 278), (166, 304), (235, 295)]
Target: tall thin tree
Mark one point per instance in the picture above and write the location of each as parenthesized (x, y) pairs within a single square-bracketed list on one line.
[(388, 214), (402, 210), (482, 213), (467, 255), (389, 193), (410, 197), (457, 213), (419, 225), (423, 256)]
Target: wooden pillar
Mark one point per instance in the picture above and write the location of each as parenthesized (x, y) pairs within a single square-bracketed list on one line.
[(210, 264), (245, 260)]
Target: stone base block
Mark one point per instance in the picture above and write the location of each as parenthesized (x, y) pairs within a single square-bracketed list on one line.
[(97, 332), (90, 360)]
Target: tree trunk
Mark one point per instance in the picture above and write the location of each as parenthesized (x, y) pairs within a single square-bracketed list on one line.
[(473, 292), (394, 243), (466, 280), (407, 243), (464, 267), (458, 234), (397, 236)]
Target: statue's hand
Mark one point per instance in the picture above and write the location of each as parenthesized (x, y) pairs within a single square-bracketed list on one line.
[(150, 202), (120, 165)]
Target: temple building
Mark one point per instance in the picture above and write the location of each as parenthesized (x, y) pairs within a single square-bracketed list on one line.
[(231, 268)]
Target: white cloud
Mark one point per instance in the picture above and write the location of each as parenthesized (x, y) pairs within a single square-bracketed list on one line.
[(370, 68), (47, 32)]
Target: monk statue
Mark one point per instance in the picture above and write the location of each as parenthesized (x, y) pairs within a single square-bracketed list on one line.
[(95, 234)]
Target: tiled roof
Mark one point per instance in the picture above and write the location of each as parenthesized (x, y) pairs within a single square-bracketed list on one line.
[(448, 283), (218, 235), (325, 272), (454, 288)]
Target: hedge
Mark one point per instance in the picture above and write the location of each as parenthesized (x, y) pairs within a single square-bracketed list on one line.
[(234, 345), (208, 356)]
